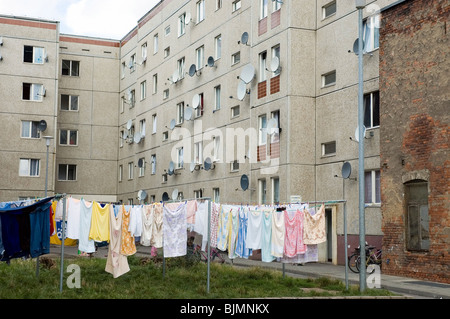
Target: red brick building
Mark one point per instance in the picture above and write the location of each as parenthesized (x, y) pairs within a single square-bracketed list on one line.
[(414, 138)]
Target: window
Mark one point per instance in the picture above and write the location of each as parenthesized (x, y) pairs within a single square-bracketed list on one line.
[(372, 187), (154, 123), (199, 109), (34, 55), (262, 191), (417, 226), (217, 91), (200, 57), (167, 30), (371, 33), (144, 52), (216, 195), (122, 138), (32, 92), (216, 155), (142, 167), (329, 148), (276, 53), (275, 133), (130, 170), (200, 11), (155, 83), (181, 68), (124, 67), (235, 111), (29, 167), (218, 46), (234, 165), (372, 109), (132, 63), (70, 68), (143, 90), (164, 178), (275, 190), (236, 58), (263, 9), (262, 122), (180, 161), (218, 4), (142, 127), (30, 129), (69, 102), (165, 94), (329, 79), (166, 52), (262, 66), (155, 43), (120, 173), (182, 24), (236, 5), (180, 113), (329, 9), (132, 98), (68, 137), (67, 172), (198, 193), (153, 160), (276, 5), (165, 135), (198, 153)]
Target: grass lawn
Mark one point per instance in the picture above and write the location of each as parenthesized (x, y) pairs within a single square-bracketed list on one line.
[(183, 280)]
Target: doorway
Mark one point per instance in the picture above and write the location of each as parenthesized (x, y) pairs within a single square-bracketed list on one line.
[(329, 230)]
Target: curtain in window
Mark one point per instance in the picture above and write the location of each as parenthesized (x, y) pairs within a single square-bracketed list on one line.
[(38, 55), (25, 129), (34, 167)]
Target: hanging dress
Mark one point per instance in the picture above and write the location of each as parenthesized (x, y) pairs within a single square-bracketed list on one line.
[(128, 246), (99, 222), (135, 225), (266, 237), (157, 233), (147, 225), (116, 263), (293, 241), (233, 229), (254, 228), (278, 233), (175, 230), (72, 217), (222, 230), (84, 243), (315, 226), (241, 246)]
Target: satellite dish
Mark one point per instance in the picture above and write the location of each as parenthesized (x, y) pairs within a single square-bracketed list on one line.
[(356, 46), (187, 18), (173, 123), (42, 125), (207, 164), (244, 182), (244, 38), (196, 101), (165, 197), (142, 195), (188, 113), (241, 90), (137, 137), (129, 124), (346, 170), (211, 61), (141, 163), (357, 133), (274, 64), (192, 167), (247, 73), (175, 193), (192, 70)]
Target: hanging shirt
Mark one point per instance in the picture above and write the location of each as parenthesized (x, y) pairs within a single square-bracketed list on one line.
[(254, 228), (116, 263), (135, 226), (191, 211), (84, 243), (73, 216), (222, 230), (293, 241), (128, 246), (201, 221), (147, 225), (241, 246), (157, 233), (315, 226), (266, 238), (175, 230), (99, 222), (40, 230), (233, 229), (278, 233)]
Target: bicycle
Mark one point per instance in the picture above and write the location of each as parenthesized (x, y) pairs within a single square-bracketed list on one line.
[(372, 257), (204, 257)]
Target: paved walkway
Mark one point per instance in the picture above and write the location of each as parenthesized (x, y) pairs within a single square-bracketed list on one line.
[(405, 286)]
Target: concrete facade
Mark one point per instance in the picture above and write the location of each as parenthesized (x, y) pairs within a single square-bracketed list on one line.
[(415, 121)]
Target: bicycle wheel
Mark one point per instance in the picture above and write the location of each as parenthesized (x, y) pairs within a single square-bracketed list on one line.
[(353, 261)]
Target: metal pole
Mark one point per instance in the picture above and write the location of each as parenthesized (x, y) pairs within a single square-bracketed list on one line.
[(63, 226), (345, 236), (360, 4), (209, 246)]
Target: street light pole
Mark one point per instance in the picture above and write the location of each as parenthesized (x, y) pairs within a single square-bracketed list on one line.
[(360, 4)]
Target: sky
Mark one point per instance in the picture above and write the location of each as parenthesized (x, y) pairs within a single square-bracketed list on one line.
[(111, 19)]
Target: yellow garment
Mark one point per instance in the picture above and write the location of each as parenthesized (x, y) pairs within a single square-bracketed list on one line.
[(54, 239), (128, 246), (99, 222)]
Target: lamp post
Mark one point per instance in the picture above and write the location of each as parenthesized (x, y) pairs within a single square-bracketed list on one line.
[(360, 4)]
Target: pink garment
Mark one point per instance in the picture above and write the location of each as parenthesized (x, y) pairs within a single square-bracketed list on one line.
[(293, 240), (215, 210), (191, 209)]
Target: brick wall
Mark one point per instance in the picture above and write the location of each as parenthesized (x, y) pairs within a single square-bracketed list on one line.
[(414, 132)]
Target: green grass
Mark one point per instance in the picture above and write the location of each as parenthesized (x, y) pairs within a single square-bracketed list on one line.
[(183, 280)]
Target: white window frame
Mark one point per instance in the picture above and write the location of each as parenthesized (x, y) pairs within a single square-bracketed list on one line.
[(371, 98), (180, 113), (68, 133), (155, 43), (217, 148), (371, 176), (276, 5), (233, 111), (236, 5), (218, 46), (262, 66), (142, 169), (154, 123), (180, 158), (143, 90), (26, 167), (67, 166), (130, 170), (71, 67), (120, 173), (275, 190), (325, 146), (198, 153), (200, 57), (36, 92), (326, 7), (153, 161), (28, 127), (236, 58), (144, 52), (217, 100), (142, 127), (200, 7), (263, 9), (371, 35), (155, 83), (181, 64), (276, 53), (71, 103), (325, 79), (262, 191), (182, 24), (38, 55), (262, 129), (216, 195)]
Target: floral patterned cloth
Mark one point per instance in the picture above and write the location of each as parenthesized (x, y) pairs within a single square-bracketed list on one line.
[(175, 230)]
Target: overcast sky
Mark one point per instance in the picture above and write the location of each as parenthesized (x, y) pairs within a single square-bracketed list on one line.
[(111, 19)]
